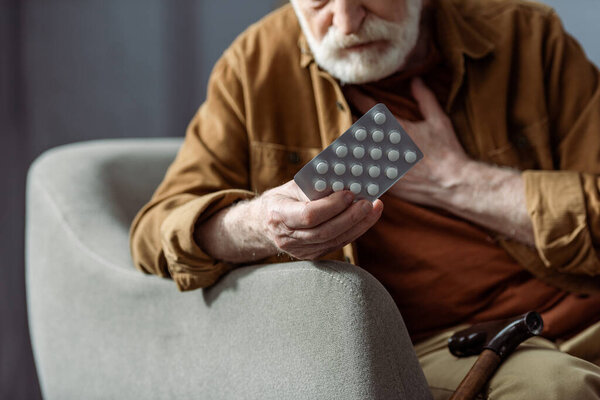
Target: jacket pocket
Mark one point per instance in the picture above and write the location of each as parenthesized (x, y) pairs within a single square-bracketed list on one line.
[(273, 164)]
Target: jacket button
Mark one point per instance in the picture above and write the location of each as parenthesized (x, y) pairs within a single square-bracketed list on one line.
[(339, 105), (294, 158)]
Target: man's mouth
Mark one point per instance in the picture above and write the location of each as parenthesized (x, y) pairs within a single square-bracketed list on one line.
[(366, 45)]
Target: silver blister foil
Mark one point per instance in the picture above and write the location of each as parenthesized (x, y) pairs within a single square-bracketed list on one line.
[(367, 159)]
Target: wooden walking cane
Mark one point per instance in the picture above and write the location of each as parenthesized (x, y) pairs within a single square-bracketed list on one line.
[(505, 336)]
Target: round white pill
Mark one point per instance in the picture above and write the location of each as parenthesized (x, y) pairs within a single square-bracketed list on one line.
[(379, 118), (376, 154), (373, 189), (320, 185), (360, 134), (374, 171), (377, 136), (395, 137), (410, 156), (341, 151), (356, 170), (322, 167), (358, 152), (393, 155), (355, 188), (337, 186), (391, 172), (339, 169)]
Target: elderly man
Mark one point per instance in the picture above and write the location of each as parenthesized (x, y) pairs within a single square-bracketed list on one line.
[(501, 217)]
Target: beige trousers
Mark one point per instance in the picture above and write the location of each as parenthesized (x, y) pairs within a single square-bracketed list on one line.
[(538, 369)]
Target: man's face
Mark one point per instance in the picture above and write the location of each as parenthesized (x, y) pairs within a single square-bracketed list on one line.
[(360, 41)]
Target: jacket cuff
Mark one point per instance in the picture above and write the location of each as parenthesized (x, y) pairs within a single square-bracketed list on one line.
[(556, 205), (188, 264)]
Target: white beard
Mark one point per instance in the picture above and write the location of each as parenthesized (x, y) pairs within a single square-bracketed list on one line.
[(370, 63)]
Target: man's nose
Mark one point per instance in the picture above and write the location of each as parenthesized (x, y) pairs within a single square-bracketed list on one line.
[(348, 16)]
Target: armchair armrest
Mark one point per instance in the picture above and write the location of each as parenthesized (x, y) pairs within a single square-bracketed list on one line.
[(100, 329)]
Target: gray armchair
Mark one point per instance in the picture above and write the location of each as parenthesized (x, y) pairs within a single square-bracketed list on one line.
[(101, 329)]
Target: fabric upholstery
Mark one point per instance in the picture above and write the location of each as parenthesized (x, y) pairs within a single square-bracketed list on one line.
[(101, 330)]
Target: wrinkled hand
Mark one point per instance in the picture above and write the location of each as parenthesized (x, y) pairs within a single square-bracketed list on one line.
[(310, 229), (444, 157), (430, 181)]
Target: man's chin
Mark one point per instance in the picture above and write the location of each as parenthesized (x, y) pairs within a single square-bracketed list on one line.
[(361, 76), (368, 69)]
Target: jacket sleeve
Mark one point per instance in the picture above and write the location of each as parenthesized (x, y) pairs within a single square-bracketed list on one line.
[(209, 173), (564, 204)]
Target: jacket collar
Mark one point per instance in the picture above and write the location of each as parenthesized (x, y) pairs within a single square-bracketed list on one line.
[(306, 56)]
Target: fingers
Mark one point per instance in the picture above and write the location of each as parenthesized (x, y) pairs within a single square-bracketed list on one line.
[(428, 104), (359, 229), (343, 222), (302, 215), (407, 125), (312, 244)]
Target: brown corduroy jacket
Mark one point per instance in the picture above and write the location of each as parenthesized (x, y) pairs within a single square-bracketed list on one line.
[(523, 95)]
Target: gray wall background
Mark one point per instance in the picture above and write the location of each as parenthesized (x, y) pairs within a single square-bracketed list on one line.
[(73, 70)]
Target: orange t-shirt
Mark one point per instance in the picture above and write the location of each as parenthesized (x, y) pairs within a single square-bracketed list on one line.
[(443, 270)]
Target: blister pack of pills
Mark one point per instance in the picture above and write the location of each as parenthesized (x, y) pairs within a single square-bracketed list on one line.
[(367, 159)]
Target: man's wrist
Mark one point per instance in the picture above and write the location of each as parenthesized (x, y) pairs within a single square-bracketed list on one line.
[(466, 183), (456, 184), (492, 196), (236, 234), (246, 222)]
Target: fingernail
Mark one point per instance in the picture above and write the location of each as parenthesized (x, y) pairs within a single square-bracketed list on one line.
[(367, 207), (348, 197)]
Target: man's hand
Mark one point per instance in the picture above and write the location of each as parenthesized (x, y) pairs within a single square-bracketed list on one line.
[(284, 220), (437, 173), (447, 178), (310, 229)]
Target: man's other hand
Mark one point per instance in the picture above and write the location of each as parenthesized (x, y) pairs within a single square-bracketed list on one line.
[(487, 195), (436, 174)]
